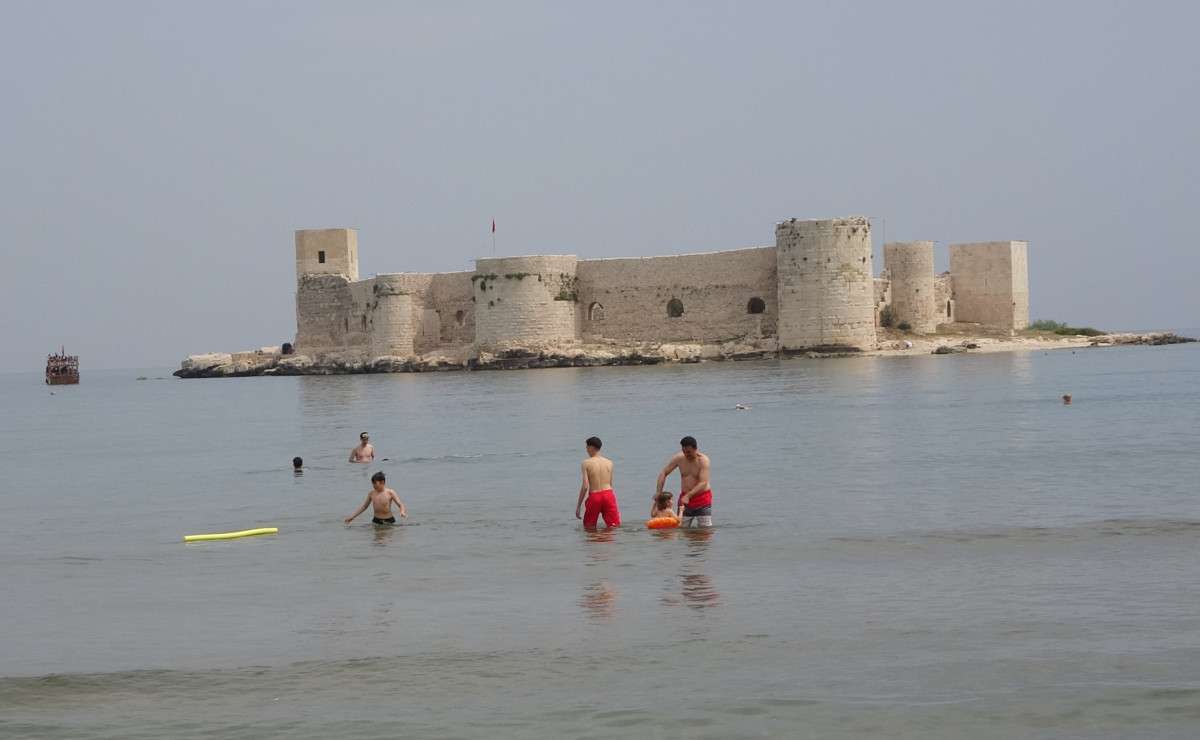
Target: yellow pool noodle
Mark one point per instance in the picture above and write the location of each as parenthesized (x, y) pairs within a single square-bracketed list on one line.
[(230, 535)]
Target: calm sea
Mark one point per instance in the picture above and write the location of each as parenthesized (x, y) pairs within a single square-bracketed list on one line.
[(915, 547)]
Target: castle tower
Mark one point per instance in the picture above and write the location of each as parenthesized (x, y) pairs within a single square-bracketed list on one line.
[(910, 268), (826, 284), (525, 301), (327, 252), (991, 283), (392, 324)]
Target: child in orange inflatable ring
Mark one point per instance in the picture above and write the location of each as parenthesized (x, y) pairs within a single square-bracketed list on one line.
[(661, 509)]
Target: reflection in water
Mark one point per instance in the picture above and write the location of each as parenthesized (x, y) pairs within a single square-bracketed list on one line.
[(597, 539), (298, 473), (698, 539), (599, 600), (698, 591), (384, 533), (695, 586)]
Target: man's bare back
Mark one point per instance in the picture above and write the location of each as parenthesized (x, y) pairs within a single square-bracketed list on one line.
[(599, 473)]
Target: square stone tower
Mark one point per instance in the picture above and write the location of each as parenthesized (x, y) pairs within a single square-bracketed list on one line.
[(327, 252), (991, 283)]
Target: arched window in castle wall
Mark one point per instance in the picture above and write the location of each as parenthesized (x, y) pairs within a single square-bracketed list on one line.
[(756, 305), (674, 308), (596, 312), (460, 317)]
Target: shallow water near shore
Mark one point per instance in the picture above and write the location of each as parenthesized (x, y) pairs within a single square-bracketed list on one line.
[(910, 547)]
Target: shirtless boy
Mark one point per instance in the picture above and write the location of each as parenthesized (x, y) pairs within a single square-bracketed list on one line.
[(695, 497), (597, 489), (364, 453), (381, 498)]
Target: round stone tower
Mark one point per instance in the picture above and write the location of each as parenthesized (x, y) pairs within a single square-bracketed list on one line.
[(910, 268), (392, 327), (525, 301), (826, 284)]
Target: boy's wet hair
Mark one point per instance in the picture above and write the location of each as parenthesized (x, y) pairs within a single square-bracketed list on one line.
[(379, 477), (297, 462), (594, 442), (663, 500), (688, 442)]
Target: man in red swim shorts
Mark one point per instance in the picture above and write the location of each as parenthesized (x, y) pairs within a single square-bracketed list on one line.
[(597, 488), (695, 493)]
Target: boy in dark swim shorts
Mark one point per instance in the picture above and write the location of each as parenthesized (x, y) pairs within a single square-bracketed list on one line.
[(380, 499)]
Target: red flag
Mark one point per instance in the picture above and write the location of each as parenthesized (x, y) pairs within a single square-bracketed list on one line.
[(493, 226)]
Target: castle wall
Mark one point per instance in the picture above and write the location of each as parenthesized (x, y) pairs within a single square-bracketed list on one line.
[(324, 304), (450, 295), (441, 309), (527, 301), (883, 295), (627, 299), (943, 292), (826, 283), (991, 283), (813, 289), (910, 269)]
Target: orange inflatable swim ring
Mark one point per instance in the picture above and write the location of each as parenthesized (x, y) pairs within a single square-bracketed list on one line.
[(662, 522)]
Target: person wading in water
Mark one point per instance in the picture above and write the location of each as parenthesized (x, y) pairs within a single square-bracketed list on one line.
[(695, 493)]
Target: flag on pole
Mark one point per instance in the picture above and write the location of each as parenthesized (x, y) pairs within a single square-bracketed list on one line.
[(493, 226)]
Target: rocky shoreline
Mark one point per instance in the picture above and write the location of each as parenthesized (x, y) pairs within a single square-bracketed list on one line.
[(270, 361)]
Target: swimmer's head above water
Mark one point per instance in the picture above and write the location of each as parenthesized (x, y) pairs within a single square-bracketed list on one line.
[(297, 463), (593, 445), (363, 436)]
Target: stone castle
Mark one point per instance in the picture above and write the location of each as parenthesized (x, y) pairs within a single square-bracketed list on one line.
[(814, 290)]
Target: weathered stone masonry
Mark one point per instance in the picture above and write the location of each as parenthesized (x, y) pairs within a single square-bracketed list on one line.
[(814, 289)]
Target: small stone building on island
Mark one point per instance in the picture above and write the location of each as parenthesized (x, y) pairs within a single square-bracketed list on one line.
[(814, 290)]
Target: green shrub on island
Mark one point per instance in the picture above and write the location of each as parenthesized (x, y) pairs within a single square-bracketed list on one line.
[(1085, 331), (886, 317), (1047, 325), (904, 326), (1062, 329)]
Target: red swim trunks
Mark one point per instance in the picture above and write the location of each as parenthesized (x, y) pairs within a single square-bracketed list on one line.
[(699, 500), (601, 503)]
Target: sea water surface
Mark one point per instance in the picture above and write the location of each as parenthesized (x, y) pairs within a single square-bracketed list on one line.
[(915, 547)]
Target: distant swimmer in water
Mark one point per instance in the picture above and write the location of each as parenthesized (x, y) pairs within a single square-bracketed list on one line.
[(364, 453), (1066, 399), (381, 498), (596, 488), (742, 407), (297, 467), (695, 495)]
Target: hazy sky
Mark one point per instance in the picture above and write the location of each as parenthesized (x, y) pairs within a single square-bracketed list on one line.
[(157, 156)]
